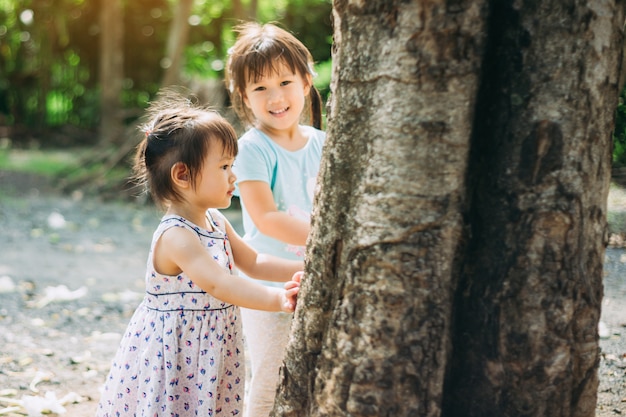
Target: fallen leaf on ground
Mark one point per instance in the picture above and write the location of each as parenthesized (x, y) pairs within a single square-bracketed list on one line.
[(59, 293)]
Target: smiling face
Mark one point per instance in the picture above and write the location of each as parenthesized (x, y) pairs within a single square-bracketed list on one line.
[(277, 99)]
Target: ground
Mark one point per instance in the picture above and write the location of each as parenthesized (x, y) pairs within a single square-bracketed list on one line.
[(71, 274)]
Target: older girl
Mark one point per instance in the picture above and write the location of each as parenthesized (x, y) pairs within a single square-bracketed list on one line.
[(270, 77)]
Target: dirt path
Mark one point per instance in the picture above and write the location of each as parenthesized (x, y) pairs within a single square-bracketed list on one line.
[(97, 251), (61, 339), (71, 274)]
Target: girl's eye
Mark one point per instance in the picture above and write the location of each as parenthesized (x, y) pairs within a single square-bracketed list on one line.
[(285, 83), (259, 89)]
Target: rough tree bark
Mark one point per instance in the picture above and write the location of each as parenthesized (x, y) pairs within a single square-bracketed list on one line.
[(455, 262), (111, 71), (530, 294)]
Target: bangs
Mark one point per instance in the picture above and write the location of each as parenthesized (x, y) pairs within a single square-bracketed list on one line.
[(229, 143), (211, 131), (258, 65), (221, 133), (267, 58)]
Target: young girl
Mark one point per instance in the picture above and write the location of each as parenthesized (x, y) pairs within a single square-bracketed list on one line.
[(182, 352), (269, 75)]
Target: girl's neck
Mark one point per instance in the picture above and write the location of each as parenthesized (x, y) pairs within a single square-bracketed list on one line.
[(289, 139), (193, 214)]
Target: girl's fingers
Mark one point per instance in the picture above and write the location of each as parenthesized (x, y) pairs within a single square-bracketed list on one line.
[(298, 276), (291, 296), (290, 303), (292, 292), (295, 280), (291, 284)]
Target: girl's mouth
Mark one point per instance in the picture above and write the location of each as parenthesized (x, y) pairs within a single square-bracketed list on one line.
[(279, 112)]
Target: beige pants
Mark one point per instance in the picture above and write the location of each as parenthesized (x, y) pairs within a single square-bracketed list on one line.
[(266, 337)]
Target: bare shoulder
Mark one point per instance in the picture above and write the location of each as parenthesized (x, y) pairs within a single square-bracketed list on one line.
[(178, 237)]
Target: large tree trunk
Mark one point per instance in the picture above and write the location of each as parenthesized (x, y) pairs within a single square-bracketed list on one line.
[(111, 71), (455, 262), (372, 335), (530, 294)]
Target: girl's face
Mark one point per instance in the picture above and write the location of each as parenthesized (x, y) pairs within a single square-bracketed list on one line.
[(215, 182), (277, 99)]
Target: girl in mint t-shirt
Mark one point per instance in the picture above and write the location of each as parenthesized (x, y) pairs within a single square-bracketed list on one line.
[(270, 78)]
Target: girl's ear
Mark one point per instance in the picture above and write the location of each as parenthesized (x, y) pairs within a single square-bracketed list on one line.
[(308, 82), (180, 175), (245, 100)]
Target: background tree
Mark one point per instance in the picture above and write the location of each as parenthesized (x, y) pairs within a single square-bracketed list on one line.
[(111, 71), (71, 69), (455, 262), (51, 59), (241, 12), (176, 42)]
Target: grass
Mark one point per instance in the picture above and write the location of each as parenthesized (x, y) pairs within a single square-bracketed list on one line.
[(48, 163), (68, 169)]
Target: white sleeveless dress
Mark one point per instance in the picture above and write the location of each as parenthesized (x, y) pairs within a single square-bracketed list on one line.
[(182, 353)]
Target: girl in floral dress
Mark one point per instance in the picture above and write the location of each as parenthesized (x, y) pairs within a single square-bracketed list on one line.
[(182, 353)]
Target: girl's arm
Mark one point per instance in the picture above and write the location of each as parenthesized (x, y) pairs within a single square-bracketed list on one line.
[(259, 265), (179, 249), (259, 202)]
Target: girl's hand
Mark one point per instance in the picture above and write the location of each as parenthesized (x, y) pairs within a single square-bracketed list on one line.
[(290, 295)]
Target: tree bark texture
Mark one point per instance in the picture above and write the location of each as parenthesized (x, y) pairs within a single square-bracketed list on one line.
[(111, 71), (373, 335), (455, 262), (529, 298)]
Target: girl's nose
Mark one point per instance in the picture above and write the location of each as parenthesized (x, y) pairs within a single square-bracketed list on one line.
[(275, 95)]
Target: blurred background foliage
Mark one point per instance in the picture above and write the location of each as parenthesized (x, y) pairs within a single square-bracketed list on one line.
[(50, 93), (51, 59), (619, 135)]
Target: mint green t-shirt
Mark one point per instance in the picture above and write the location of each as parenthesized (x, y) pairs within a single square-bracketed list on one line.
[(292, 178)]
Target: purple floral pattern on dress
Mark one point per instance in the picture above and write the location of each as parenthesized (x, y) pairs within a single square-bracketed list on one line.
[(182, 353)]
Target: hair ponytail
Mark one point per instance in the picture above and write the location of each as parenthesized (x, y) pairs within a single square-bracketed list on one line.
[(316, 108)]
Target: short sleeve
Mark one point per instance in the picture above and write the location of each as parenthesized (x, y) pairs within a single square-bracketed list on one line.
[(255, 161)]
